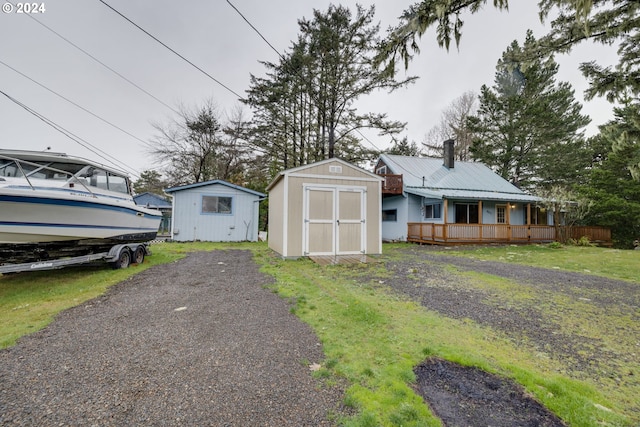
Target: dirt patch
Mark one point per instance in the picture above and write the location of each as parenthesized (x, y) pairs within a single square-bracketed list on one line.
[(462, 396), (550, 312)]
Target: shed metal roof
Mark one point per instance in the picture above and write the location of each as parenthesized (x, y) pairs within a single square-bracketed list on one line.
[(214, 182), (321, 162), (428, 177)]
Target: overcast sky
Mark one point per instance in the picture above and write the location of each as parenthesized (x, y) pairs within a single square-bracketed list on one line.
[(212, 35)]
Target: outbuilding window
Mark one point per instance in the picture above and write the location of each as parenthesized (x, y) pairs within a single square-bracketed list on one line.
[(216, 205)]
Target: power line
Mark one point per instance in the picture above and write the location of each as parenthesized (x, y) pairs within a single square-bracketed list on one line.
[(75, 104), (102, 63), (173, 51), (256, 30), (115, 162)]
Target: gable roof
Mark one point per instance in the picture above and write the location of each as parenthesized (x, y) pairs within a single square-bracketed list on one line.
[(151, 200), (428, 177), (319, 163), (214, 182)]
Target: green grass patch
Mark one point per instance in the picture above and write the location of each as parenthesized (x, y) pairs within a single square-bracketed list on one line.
[(372, 338), (606, 262)]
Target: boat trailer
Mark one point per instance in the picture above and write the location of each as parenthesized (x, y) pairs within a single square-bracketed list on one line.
[(119, 256)]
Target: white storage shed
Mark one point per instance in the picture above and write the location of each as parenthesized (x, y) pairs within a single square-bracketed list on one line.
[(326, 208), (214, 211)]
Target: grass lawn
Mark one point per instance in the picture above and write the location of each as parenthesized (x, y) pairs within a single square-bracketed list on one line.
[(372, 337)]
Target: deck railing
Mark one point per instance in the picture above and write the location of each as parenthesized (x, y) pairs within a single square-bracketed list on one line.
[(420, 232)]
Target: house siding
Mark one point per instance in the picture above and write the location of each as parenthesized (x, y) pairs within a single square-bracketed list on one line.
[(395, 230)]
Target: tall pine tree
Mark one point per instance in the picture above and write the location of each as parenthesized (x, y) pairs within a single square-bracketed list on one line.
[(528, 128), (611, 186), (304, 109)]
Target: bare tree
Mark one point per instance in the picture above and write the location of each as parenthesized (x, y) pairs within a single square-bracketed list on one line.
[(197, 146), (453, 125), (568, 209)]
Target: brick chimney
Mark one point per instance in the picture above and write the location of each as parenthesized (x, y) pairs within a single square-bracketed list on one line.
[(448, 153)]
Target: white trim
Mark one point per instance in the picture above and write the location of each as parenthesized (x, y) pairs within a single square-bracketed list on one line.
[(505, 207), (285, 216), (306, 188), (379, 219), (333, 177), (335, 190), (173, 217), (362, 220)]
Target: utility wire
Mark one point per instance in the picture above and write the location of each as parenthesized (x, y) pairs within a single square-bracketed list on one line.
[(105, 156), (78, 106), (173, 51), (102, 63), (256, 30)]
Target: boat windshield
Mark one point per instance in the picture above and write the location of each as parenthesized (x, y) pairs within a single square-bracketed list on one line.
[(40, 170), (89, 176)]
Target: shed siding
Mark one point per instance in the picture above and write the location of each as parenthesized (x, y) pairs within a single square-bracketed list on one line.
[(191, 224), (276, 218), (286, 200), (296, 214)]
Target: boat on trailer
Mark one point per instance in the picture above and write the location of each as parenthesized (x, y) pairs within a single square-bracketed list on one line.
[(54, 205)]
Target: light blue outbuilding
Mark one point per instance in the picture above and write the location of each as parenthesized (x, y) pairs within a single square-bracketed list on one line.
[(215, 211)]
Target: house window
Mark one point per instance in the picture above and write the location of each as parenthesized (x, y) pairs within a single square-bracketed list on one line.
[(433, 211), (216, 204), (390, 215), (466, 213), (382, 170), (538, 216)]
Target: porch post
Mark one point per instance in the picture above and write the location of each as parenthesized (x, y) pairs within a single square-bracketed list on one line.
[(529, 221), (480, 220), (444, 224), (508, 218)]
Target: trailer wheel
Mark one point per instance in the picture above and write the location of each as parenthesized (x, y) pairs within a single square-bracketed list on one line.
[(124, 259), (138, 255)]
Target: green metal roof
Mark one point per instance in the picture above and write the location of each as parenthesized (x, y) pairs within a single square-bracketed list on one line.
[(428, 177)]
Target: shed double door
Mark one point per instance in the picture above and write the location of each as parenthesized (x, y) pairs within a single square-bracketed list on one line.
[(334, 220)]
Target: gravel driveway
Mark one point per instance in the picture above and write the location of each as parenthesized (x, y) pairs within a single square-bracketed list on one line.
[(196, 342)]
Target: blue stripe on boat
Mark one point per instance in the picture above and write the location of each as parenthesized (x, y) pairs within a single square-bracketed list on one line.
[(61, 202), (46, 224)]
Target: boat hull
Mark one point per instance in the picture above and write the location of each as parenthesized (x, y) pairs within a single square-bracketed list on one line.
[(26, 218)]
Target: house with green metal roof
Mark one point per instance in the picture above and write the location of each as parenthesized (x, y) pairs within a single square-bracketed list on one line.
[(440, 200)]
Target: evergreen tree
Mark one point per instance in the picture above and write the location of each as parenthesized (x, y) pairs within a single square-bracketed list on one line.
[(405, 148), (304, 107), (611, 187), (150, 182), (528, 128), (602, 21)]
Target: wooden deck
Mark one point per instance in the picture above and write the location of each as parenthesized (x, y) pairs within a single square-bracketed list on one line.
[(392, 184), (448, 234)]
